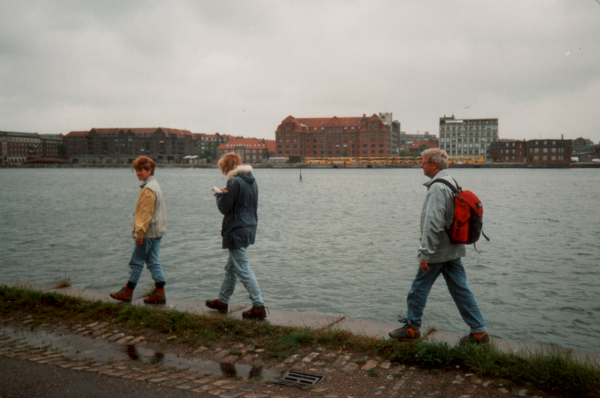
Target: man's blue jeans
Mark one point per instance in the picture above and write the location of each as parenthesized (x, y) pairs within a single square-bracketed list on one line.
[(239, 267), (146, 253), (456, 279)]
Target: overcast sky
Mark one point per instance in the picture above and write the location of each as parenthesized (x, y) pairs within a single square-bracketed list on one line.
[(241, 67)]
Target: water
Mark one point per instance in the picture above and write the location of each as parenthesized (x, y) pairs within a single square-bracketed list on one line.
[(342, 242)]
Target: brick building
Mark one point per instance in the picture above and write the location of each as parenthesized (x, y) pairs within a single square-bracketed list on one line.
[(549, 151), (587, 154), (251, 150), (52, 146), (416, 147), (508, 151), (17, 147), (467, 137), (123, 145), (333, 137)]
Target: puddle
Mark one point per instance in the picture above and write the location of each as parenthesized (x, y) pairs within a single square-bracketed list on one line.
[(82, 348)]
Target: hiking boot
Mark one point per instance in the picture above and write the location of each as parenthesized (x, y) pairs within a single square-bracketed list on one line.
[(156, 296), (406, 333), (123, 295), (217, 305), (255, 313), (476, 338)]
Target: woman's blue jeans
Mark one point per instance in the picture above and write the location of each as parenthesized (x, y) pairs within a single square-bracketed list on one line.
[(146, 253), (456, 279), (239, 267)]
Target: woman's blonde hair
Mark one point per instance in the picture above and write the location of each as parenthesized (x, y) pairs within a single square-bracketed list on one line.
[(229, 161)]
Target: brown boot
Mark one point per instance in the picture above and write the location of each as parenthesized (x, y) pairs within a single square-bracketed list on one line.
[(123, 295), (156, 296), (255, 313)]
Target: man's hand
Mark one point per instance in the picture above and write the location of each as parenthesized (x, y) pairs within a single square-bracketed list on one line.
[(423, 266), (139, 241)]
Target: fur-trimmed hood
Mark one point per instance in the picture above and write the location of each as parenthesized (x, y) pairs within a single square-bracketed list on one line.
[(240, 170)]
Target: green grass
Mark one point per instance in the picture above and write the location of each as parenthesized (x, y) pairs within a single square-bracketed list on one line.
[(554, 371)]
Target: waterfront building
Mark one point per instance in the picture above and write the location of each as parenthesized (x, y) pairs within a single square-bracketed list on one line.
[(416, 147), (467, 137), (16, 147), (334, 137), (394, 126), (124, 145), (207, 144), (52, 146), (508, 151), (251, 150), (587, 154), (549, 151)]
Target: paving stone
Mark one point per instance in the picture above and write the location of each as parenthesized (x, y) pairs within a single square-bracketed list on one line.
[(220, 382), (124, 340), (187, 386), (91, 325), (292, 358), (385, 364), (464, 396), (503, 390), (132, 375), (137, 340), (231, 394), (99, 332), (106, 335), (230, 359), (369, 365), (27, 321), (486, 383), (80, 368), (320, 390), (202, 388), (98, 368), (50, 360), (476, 380), (120, 373), (116, 336), (341, 361), (310, 357), (68, 365), (458, 380), (519, 391), (256, 395), (299, 366), (159, 380), (173, 383), (349, 367)]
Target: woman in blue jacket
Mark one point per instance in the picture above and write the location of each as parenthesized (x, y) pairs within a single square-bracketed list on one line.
[(238, 202)]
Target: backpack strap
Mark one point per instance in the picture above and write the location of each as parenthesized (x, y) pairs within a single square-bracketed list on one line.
[(449, 185)]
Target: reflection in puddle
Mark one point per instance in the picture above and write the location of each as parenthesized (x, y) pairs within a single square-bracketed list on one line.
[(78, 347), (230, 370), (134, 355)]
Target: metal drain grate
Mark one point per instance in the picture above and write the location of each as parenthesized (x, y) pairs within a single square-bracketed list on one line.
[(299, 380)]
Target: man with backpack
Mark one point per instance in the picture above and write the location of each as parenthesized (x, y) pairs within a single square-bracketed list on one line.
[(437, 255)]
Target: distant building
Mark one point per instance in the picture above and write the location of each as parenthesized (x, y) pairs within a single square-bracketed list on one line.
[(467, 137), (588, 153), (581, 142), (124, 145), (207, 144), (52, 146), (417, 147), (549, 151), (16, 147), (334, 137), (394, 126), (508, 151), (251, 150), (271, 148)]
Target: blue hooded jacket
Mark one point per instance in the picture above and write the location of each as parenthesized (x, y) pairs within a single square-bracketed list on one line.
[(239, 208)]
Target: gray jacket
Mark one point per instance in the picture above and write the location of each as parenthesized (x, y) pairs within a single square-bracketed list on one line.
[(436, 216), (157, 227)]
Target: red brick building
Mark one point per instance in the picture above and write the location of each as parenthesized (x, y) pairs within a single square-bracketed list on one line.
[(419, 146), (160, 143), (251, 150), (508, 151), (549, 151), (333, 137)]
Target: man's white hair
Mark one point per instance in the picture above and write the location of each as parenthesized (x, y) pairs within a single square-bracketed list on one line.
[(438, 156)]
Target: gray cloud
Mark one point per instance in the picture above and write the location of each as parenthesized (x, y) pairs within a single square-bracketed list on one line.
[(241, 67)]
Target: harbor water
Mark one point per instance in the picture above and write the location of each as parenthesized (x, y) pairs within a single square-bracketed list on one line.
[(341, 242)]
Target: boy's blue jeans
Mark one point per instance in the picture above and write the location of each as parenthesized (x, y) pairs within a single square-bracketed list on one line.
[(456, 279), (238, 267), (146, 253)]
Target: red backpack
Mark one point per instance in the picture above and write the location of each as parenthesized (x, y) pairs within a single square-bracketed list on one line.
[(467, 225)]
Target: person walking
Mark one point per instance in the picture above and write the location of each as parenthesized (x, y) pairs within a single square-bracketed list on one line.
[(238, 203), (438, 256), (148, 229)]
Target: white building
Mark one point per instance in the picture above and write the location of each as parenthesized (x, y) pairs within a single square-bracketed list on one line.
[(467, 137)]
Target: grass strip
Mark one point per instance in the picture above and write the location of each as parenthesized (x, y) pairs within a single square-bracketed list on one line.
[(554, 371)]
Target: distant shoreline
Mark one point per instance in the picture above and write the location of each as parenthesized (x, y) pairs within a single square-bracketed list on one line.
[(309, 166)]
